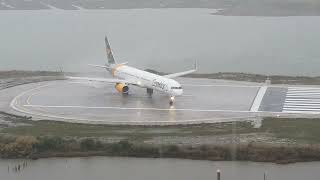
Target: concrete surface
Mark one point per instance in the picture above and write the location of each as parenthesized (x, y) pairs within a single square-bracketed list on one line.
[(204, 101)]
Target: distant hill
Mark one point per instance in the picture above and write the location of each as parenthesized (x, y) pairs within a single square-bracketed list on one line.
[(226, 7), (22, 74), (236, 76)]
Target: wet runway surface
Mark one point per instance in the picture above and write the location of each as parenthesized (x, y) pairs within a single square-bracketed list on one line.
[(273, 99), (204, 101)]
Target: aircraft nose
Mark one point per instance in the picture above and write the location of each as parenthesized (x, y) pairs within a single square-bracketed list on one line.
[(179, 92)]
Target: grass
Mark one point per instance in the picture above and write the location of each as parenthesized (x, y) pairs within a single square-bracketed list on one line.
[(63, 129), (299, 130)]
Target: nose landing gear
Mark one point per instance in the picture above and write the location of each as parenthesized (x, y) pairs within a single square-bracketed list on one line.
[(149, 91), (171, 100)]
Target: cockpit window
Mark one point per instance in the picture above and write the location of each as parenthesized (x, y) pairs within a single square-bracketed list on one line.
[(176, 87)]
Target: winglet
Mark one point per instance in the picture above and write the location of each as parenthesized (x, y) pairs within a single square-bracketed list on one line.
[(196, 65)]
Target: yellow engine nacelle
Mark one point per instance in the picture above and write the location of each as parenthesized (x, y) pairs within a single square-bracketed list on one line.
[(122, 88)]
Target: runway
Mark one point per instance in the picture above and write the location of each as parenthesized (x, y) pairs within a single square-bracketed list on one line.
[(204, 101)]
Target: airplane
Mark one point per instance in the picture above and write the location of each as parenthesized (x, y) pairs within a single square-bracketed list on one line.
[(125, 75)]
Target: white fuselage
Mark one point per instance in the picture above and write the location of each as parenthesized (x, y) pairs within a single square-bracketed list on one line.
[(147, 80)]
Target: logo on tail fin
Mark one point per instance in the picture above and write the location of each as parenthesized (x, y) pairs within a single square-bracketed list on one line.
[(109, 52)]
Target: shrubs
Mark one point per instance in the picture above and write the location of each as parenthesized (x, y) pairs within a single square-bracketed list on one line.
[(90, 144), (27, 146), (21, 147), (50, 144), (122, 147)]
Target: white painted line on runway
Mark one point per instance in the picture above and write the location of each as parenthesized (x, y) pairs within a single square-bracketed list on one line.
[(295, 111), (135, 108), (303, 93), (219, 119), (220, 85), (301, 100), (303, 96), (302, 107), (300, 104), (303, 88), (29, 97), (257, 101), (300, 112), (14, 101)]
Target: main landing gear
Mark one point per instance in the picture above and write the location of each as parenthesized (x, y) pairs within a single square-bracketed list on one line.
[(149, 91)]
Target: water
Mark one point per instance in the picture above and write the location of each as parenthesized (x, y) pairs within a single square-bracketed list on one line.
[(97, 168), (163, 39)]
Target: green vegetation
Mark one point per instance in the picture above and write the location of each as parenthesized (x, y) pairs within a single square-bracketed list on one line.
[(31, 147), (299, 130), (64, 129), (36, 139)]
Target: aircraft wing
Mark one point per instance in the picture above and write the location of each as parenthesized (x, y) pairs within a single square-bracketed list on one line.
[(182, 73), (108, 80)]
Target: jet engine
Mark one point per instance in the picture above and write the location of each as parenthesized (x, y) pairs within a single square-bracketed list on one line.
[(122, 88)]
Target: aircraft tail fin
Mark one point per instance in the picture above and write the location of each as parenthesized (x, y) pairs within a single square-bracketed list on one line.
[(109, 52)]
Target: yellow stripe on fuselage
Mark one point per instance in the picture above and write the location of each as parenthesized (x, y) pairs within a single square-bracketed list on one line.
[(116, 68)]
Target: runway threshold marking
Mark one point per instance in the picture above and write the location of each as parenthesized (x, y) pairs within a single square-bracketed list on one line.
[(302, 100), (258, 99)]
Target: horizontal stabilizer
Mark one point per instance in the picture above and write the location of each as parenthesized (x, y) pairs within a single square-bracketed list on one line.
[(107, 80), (100, 66)]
